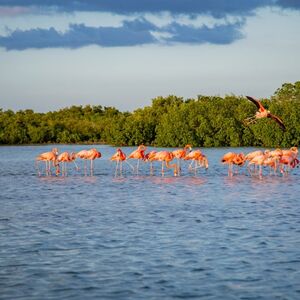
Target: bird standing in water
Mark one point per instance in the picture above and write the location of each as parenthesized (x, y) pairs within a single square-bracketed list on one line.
[(138, 154), (119, 157), (49, 157)]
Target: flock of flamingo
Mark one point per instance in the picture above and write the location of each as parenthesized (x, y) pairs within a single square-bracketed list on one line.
[(278, 160), (282, 160)]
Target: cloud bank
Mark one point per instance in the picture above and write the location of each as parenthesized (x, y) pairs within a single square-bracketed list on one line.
[(133, 32), (217, 8), (130, 33)]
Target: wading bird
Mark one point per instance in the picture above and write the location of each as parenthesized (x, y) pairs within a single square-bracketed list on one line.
[(119, 157), (260, 160), (65, 158), (198, 158), (49, 157), (138, 154), (180, 154), (91, 155), (231, 159), (288, 159), (150, 157), (166, 157), (262, 113)]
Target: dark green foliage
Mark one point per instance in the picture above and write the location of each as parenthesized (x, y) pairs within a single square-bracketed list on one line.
[(208, 121)]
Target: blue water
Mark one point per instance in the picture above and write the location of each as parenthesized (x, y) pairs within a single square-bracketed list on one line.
[(146, 237)]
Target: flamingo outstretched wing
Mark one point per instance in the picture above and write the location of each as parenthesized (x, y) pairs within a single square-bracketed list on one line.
[(277, 120), (256, 102)]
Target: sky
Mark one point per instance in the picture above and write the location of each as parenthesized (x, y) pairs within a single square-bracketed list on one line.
[(123, 53)]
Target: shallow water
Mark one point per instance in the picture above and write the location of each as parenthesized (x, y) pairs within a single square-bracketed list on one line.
[(146, 237)]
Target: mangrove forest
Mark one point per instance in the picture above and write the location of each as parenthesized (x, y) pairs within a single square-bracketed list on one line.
[(207, 121)]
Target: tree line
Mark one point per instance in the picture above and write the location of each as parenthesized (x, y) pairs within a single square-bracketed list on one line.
[(207, 121)]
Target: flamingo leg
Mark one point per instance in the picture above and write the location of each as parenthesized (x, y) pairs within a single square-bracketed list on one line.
[(117, 166), (76, 166), (85, 168), (92, 167), (37, 167), (47, 168), (151, 168), (250, 120), (230, 166), (130, 165), (260, 170)]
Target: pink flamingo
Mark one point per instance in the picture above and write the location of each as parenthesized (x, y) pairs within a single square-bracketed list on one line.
[(150, 157), (259, 160), (49, 157), (262, 112), (289, 159), (65, 158), (138, 154), (166, 157), (180, 154), (119, 157), (199, 159), (231, 159), (91, 155)]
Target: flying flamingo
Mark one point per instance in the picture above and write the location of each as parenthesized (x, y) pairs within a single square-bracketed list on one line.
[(150, 157), (138, 154), (180, 154), (65, 158), (49, 157), (91, 155), (263, 113), (119, 157), (231, 159), (166, 157), (198, 158)]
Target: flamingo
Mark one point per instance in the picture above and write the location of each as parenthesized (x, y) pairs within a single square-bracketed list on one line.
[(253, 154), (263, 113), (119, 157), (180, 154), (49, 157), (259, 161), (293, 151), (166, 157), (289, 159), (138, 154), (150, 157), (198, 158), (273, 160), (231, 159), (65, 158), (91, 155)]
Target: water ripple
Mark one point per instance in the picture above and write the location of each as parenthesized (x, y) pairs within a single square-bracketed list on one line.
[(146, 237)]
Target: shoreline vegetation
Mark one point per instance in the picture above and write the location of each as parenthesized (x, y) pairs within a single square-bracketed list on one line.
[(207, 121)]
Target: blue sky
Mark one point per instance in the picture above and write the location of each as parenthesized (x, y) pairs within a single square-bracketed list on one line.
[(55, 54)]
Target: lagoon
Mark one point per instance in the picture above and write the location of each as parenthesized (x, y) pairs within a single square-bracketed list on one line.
[(146, 237)]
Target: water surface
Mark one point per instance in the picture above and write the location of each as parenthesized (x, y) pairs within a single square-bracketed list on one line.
[(146, 237)]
